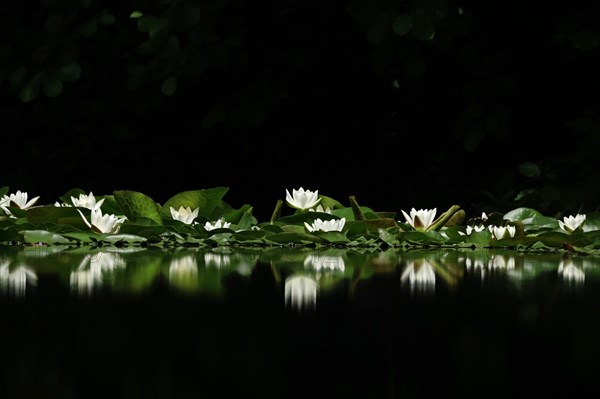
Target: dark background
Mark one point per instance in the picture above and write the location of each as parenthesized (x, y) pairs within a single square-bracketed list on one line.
[(424, 103)]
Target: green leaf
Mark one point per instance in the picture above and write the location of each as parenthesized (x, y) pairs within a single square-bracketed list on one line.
[(33, 236), (402, 24), (69, 72), (136, 205), (592, 222), (169, 86), (531, 219), (136, 14), (53, 88), (530, 169), (54, 214), (206, 200)]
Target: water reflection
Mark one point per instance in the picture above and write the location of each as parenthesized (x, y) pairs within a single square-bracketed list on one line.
[(16, 277), (571, 273), (301, 292), (183, 272), (420, 276), (94, 271)]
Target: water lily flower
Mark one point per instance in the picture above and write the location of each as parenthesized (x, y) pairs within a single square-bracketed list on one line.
[(471, 229), (61, 204), (184, 214), (326, 225), (484, 217), (421, 219), (302, 199), (571, 223), (100, 223), (17, 200), (500, 232), (219, 224), (301, 292), (319, 208), (87, 201)]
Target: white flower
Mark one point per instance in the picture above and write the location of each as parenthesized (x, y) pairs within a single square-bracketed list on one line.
[(471, 229), (61, 204), (326, 225), (571, 273), (17, 200), (319, 208), (302, 199), (571, 223), (421, 219), (301, 292), (184, 214), (500, 232), (219, 224), (484, 217), (107, 223), (87, 201)]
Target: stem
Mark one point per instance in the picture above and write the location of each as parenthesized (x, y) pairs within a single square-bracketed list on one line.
[(442, 220), (358, 213), (276, 211)]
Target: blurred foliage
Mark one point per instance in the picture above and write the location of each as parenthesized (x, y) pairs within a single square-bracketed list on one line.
[(84, 64)]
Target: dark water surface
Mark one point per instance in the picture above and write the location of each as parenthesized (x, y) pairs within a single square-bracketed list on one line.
[(297, 323)]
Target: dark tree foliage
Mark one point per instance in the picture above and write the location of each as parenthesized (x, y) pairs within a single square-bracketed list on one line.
[(420, 103)]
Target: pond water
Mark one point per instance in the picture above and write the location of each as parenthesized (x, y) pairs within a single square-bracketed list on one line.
[(296, 322)]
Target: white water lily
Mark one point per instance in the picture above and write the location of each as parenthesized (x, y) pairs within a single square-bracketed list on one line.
[(471, 229), (326, 225), (301, 292), (420, 219), (302, 199), (219, 224), (100, 223), (500, 232), (184, 214), (87, 201), (17, 200), (571, 223), (319, 208), (62, 204)]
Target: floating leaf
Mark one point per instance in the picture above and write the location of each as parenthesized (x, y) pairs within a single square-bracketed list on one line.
[(136, 205)]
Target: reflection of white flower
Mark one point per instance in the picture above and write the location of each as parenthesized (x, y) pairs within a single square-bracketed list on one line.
[(16, 200), (571, 223), (420, 219), (15, 281), (87, 201), (471, 229), (184, 214), (107, 223), (420, 274), (219, 224), (301, 292), (571, 273), (302, 199), (500, 232), (500, 262), (475, 264), (93, 269), (217, 260), (326, 225), (184, 267), (325, 262)]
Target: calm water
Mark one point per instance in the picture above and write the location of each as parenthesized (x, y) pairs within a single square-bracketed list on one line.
[(296, 323)]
